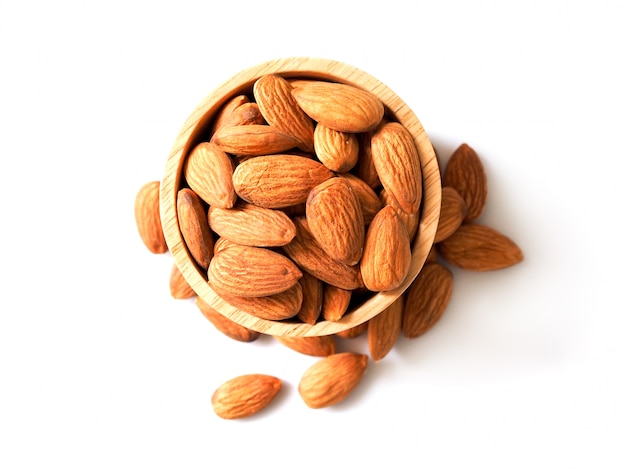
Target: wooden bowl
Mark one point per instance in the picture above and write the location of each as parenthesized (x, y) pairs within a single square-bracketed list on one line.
[(195, 127)]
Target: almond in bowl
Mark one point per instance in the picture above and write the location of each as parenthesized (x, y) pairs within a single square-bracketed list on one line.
[(307, 170)]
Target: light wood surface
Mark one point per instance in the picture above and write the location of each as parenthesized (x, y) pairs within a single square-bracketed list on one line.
[(196, 125)]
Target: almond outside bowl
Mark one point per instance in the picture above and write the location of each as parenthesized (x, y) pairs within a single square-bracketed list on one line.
[(199, 121)]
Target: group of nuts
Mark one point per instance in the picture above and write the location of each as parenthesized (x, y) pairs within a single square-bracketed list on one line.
[(304, 198)]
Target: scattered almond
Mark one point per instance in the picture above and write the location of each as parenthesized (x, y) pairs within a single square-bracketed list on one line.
[(148, 217), (225, 325), (310, 345), (465, 173), (244, 395), (384, 329), (179, 287)]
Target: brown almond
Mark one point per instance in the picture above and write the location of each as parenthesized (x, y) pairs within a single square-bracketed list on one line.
[(179, 287), (476, 247), (387, 254), (331, 379), (426, 299), (320, 346), (278, 181), (248, 224), (249, 271), (281, 110), (148, 217), (342, 107), (384, 329), (464, 172), (453, 210), (271, 307), (194, 227), (336, 302), (244, 115), (365, 168), (398, 166), (336, 221), (253, 140), (225, 325), (209, 172), (338, 151), (244, 395), (411, 221), (370, 203), (311, 257), (224, 113), (312, 298)]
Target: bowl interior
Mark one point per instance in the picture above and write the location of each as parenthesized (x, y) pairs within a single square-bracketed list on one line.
[(194, 131)]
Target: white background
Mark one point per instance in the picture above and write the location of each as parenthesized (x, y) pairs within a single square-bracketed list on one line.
[(100, 368)]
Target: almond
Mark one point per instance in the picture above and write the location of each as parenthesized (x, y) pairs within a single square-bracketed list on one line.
[(253, 140), (336, 302), (476, 247), (384, 329), (271, 307), (280, 109), (338, 151), (225, 325), (208, 171), (311, 257), (250, 271), (312, 298), (336, 221), (194, 227), (248, 224), (224, 113), (179, 287), (465, 173), (148, 217), (387, 254), (243, 115), (368, 199), (278, 181), (453, 211), (244, 395), (341, 107), (411, 221), (426, 299), (320, 346), (365, 168), (332, 379), (398, 166)]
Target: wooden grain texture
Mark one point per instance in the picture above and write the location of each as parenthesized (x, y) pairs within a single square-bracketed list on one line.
[(195, 127)]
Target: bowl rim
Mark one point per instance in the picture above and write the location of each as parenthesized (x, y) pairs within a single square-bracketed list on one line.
[(191, 133)]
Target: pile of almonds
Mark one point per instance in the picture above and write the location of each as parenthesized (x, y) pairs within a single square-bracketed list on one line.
[(303, 198)]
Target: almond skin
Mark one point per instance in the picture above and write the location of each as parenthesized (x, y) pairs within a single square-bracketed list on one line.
[(338, 151), (253, 140), (476, 247), (148, 217), (179, 287), (312, 298), (336, 302), (278, 181), (243, 115), (426, 299), (453, 211), (271, 307), (249, 271), (224, 114), (194, 227), (281, 110), (320, 346), (341, 107), (311, 257), (209, 171), (411, 221), (353, 332), (248, 224), (369, 200), (336, 221), (465, 173), (384, 329), (331, 379), (387, 253), (398, 166), (225, 325), (244, 395)]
